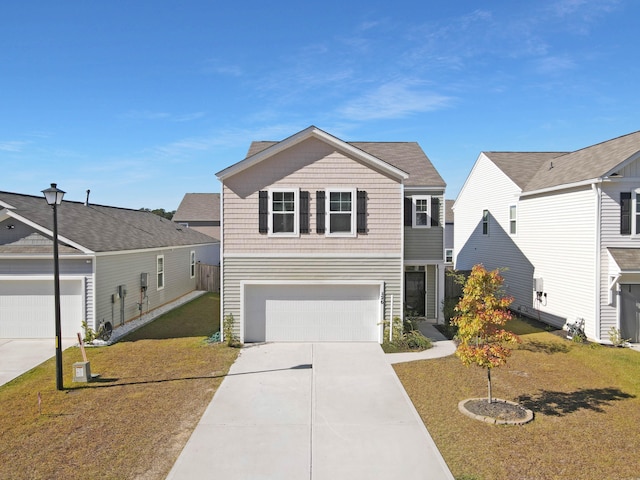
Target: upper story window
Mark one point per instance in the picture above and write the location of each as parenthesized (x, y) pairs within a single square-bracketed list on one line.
[(422, 211), (420, 206), (160, 271), (283, 212), (513, 217), (485, 222), (630, 213), (448, 255), (341, 212)]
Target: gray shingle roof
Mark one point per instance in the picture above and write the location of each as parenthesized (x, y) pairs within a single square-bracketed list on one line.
[(521, 167), (198, 207), (407, 156), (533, 171), (104, 229), (628, 259)]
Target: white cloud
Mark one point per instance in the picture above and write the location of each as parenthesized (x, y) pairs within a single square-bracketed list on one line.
[(12, 146), (394, 100)]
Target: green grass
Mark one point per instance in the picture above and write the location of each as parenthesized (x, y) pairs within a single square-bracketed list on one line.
[(134, 420), (586, 400)]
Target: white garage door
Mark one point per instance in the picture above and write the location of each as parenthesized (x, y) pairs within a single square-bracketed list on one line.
[(312, 313), (27, 308)]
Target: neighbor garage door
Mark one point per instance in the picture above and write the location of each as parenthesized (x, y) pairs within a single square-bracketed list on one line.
[(312, 313), (27, 308)]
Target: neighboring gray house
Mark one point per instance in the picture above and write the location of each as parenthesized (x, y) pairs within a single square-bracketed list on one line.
[(448, 232), (322, 239), (567, 228), (200, 211), (114, 264)]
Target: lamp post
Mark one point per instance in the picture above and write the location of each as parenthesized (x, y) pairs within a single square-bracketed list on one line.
[(54, 198)]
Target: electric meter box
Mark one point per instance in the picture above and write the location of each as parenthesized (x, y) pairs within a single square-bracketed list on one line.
[(144, 279)]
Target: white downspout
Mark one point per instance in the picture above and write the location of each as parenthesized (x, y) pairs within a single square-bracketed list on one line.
[(598, 191)]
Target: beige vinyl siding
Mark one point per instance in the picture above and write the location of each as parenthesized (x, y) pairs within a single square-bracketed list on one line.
[(557, 233), (125, 269), (311, 166), (309, 269)]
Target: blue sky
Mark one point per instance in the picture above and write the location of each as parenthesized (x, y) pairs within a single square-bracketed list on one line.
[(143, 101)]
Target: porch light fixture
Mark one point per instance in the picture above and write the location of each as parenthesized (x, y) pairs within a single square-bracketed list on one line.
[(54, 198)]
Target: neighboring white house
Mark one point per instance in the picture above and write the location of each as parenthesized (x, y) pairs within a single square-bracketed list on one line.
[(322, 239), (566, 226), (115, 264)]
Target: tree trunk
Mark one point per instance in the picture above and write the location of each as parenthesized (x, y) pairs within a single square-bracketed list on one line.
[(489, 382)]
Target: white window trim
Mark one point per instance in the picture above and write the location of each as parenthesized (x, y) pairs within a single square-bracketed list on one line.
[(513, 220), (414, 210), (328, 214), (296, 213), (160, 272), (192, 264), (445, 255), (483, 221), (634, 213)]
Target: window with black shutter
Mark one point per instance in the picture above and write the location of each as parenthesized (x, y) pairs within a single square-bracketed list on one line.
[(263, 214), (320, 211), (304, 212), (625, 213), (362, 212), (408, 212), (435, 211)]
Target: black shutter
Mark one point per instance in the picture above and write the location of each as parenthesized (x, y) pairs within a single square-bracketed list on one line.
[(625, 213), (408, 212), (304, 212), (435, 211), (263, 211), (362, 211), (320, 211)]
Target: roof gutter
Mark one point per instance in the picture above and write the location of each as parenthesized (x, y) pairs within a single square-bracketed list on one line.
[(563, 186)]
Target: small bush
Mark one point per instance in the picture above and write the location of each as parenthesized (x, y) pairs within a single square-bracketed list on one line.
[(229, 331), (615, 336), (404, 340)]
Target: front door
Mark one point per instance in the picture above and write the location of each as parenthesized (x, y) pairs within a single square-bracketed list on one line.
[(630, 314), (414, 293)]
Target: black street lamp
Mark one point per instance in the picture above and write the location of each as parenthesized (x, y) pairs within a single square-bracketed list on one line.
[(54, 198)]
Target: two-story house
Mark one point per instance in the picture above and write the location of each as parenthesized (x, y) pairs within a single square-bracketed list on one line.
[(324, 239), (566, 226)]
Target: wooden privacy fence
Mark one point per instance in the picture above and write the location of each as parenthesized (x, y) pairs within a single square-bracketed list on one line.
[(208, 277), (452, 289)]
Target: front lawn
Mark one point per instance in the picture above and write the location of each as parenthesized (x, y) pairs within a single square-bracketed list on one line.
[(134, 421), (586, 400)]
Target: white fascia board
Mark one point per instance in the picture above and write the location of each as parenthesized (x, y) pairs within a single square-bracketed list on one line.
[(154, 249), (564, 186), (40, 228), (623, 164), (301, 136), (423, 189), (313, 255)]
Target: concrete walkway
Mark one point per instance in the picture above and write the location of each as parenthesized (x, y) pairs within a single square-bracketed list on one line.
[(325, 411)]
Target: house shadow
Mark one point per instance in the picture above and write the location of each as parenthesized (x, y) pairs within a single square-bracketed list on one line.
[(549, 348), (496, 249), (559, 404)]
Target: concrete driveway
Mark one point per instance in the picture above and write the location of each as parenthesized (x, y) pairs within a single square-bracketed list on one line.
[(18, 356), (323, 411)]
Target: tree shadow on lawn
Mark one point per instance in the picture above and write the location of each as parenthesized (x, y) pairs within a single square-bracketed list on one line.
[(563, 403)]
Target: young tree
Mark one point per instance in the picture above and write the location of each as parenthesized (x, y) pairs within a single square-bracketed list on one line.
[(481, 313)]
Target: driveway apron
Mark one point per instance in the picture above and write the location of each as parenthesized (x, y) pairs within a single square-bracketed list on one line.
[(324, 411)]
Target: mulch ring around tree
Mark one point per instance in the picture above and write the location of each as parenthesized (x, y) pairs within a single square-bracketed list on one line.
[(499, 412)]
